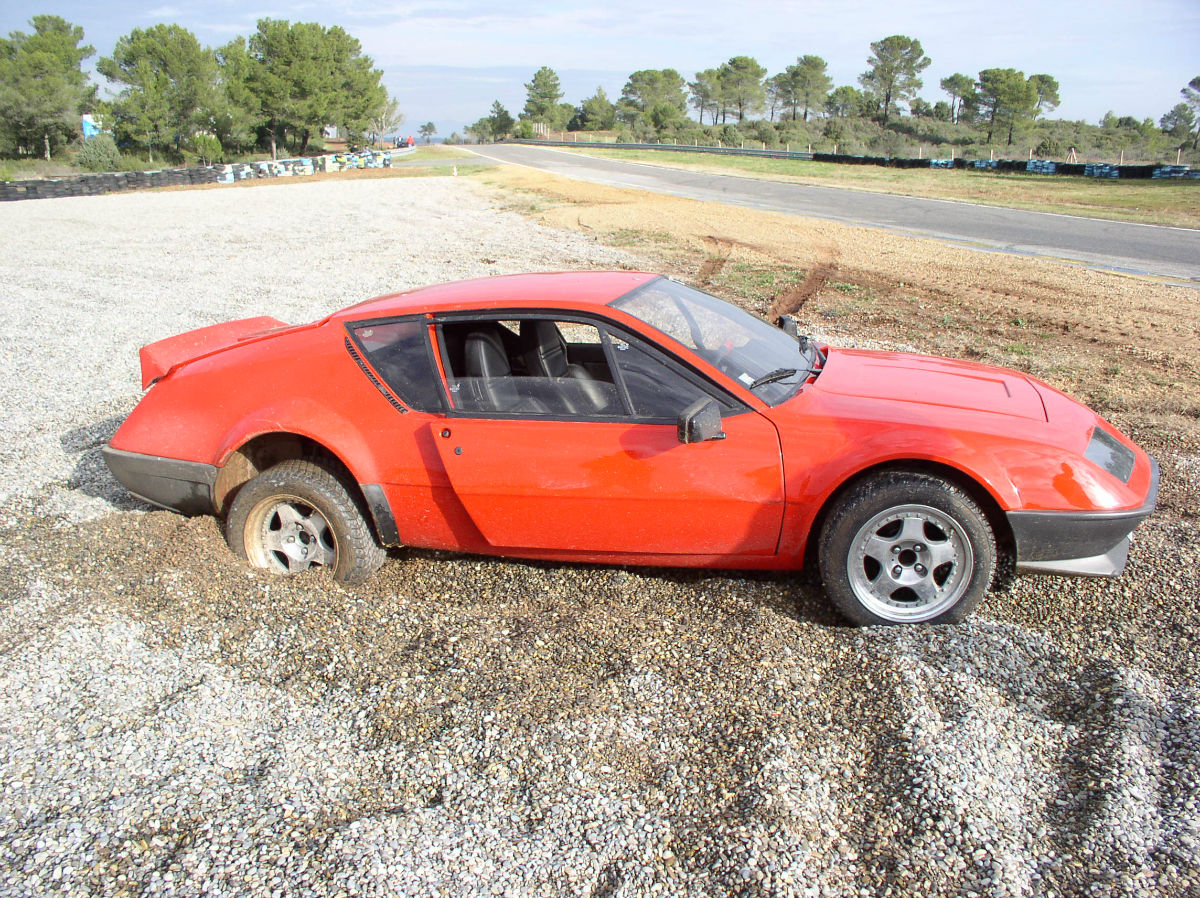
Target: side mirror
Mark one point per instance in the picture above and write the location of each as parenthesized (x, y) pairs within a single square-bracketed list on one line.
[(700, 421), (789, 326)]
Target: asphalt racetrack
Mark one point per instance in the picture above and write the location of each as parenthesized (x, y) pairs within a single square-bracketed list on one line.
[(1156, 250)]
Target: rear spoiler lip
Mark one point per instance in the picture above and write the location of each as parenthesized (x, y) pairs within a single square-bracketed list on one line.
[(162, 357)]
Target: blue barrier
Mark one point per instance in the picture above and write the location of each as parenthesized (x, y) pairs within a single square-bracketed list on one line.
[(1032, 166), (1175, 171)]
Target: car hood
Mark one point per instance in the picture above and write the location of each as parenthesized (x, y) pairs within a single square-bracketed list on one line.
[(929, 381)]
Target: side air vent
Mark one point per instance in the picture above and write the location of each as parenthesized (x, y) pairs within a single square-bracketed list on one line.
[(367, 371)]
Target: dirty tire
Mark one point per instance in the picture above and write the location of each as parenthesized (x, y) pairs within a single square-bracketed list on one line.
[(903, 547), (297, 516)]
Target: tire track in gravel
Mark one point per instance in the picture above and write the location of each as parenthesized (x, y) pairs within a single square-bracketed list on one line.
[(756, 751)]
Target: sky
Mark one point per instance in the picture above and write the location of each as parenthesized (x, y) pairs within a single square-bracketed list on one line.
[(447, 61)]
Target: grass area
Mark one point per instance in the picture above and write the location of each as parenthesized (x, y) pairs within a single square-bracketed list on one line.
[(1166, 202), (437, 151), (28, 169)]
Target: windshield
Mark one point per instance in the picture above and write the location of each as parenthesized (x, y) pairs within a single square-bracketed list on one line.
[(760, 357)]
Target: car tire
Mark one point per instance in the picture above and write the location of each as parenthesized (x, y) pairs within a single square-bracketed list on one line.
[(297, 516), (903, 547)]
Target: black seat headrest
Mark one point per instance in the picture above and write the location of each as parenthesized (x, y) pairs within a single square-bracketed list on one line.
[(543, 348)]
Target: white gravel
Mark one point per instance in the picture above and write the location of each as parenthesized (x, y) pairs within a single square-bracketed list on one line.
[(89, 280), (172, 724)]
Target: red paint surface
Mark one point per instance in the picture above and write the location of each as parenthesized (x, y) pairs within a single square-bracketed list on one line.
[(619, 491)]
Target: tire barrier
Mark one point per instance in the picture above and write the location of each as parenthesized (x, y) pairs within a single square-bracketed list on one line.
[(116, 182), (1032, 166), (1176, 171)]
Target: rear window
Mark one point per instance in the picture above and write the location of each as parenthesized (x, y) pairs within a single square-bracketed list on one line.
[(398, 351)]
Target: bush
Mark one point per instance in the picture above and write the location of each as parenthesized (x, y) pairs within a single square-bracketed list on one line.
[(1049, 148), (99, 153), (836, 130), (764, 132), (730, 136), (697, 136), (889, 143), (205, 149)]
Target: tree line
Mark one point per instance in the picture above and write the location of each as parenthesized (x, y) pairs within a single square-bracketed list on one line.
[(739, 100), (278, 88)]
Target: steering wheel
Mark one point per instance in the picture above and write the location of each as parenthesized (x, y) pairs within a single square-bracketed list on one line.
[(722, 355)]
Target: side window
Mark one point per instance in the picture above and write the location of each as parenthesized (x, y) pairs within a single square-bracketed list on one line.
[(535, 367), (397, 350), (656, 389)]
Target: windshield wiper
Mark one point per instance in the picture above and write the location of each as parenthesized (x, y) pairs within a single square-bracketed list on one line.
[(771, 376)]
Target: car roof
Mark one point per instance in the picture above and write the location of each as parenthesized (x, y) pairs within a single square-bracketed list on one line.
[(561, 289)]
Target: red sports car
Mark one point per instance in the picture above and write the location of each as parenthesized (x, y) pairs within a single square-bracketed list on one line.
[(626, 418)]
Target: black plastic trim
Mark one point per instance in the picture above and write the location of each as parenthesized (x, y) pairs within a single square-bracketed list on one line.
[(183, 486), (381, 511), (1066, 535)]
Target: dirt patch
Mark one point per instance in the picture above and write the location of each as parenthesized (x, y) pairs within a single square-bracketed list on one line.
[(791, 300)]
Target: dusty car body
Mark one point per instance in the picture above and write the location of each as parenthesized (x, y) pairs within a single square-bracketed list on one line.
[(625, 418)]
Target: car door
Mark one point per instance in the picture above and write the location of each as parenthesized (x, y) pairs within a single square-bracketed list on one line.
[(615, 480)]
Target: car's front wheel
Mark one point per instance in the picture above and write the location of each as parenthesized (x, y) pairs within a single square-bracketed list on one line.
[(298, 516), (904, 547)]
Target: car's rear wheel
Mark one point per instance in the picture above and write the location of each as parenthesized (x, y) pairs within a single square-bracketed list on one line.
[(299, 516), (903, 548)]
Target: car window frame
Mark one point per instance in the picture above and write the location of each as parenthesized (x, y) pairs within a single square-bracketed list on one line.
[(362, 358), (731, 404)]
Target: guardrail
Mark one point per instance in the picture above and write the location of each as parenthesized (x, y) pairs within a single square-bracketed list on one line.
[(117, 182), (1031, 166)]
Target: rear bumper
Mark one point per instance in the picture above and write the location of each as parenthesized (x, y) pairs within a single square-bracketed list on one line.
[(1082, 544), (183, 486)]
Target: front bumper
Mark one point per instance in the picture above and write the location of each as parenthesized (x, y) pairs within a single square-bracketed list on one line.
[(183, 486), (1078, 543)]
